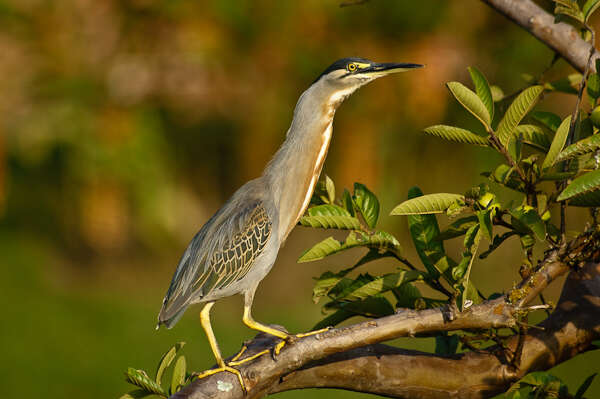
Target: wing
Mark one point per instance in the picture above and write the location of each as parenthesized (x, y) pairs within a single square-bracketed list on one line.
[(222, 253)]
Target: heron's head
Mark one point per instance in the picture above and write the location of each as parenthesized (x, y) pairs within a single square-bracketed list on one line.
[(344, 76)]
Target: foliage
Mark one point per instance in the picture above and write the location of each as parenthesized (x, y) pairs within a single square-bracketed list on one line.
[(148, 386), (549, 161), (541, 384)]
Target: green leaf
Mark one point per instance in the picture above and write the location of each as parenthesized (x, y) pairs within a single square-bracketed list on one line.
[(179, 371), (406, 295), (556, 176), (584, 386), (469, 293), (446, 344), (326, 247), (584, 183), (457, 228), (327, 210), (330, 188), (589, 199), (589, 7), (430, 203), (424, 229), (136, 394), (470, 102), (456, 134), (329, 217), (502, 173), (544, 385), (569, 11), (567, 84), (517, 110), (534, 136), (482, 88), (472, 236), (485, 222), (582, 147), (140, 379), (593, 87), (325, 283), (548, 119), (166, 360), (462, 272), (558, 143), (527, 241), (347, 202), (382, 284), (379, 240), (497, 93), (513, 147), (373, 306), (526, 220), (367, 203)]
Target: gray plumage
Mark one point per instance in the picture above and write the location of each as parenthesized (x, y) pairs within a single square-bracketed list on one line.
[(237, 247)]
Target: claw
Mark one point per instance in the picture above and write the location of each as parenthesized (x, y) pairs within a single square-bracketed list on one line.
[(322, 330), (278, 347), (235, 362)]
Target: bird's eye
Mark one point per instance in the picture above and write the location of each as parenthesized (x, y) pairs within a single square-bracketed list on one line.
[(352, 67)]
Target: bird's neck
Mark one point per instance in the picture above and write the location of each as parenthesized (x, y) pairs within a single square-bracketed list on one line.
[(294, 170)]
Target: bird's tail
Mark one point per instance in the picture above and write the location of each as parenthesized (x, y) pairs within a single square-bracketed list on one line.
[(170, 315)]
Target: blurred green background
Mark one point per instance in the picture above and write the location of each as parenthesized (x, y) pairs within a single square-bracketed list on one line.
[(125, 124)]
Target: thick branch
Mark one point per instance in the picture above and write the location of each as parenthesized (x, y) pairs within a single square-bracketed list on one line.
[(264, 373), (560, 37), (395, 372)]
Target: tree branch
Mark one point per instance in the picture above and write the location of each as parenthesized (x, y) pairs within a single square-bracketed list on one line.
[(560, 37), (394, 372)]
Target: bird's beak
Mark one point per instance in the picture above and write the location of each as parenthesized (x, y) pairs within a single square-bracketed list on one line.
[(386, 68)]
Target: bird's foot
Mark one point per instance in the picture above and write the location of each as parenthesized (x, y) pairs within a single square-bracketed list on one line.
[(235, 362), (308, 334), (226, 368), (290, 339), (281, 344)]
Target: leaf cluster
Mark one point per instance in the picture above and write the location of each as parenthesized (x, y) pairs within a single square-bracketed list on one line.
[(541, 384), (547, 160), (148, 386)]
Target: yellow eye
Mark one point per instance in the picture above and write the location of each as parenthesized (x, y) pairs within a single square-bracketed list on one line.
[(352, 67)]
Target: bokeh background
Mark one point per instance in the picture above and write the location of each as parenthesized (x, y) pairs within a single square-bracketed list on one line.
[(125, 124)]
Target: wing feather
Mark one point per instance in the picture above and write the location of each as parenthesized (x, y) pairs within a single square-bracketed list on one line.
[(220, 254)]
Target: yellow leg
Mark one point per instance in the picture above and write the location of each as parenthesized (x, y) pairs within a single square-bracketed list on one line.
[(205, 321), (308, 334), (253, 324), (235, 362)]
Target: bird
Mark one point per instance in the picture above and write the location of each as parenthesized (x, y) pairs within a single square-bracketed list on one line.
[(238, 245)]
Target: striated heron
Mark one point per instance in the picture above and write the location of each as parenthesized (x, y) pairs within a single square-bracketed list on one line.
[(238, 245)]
